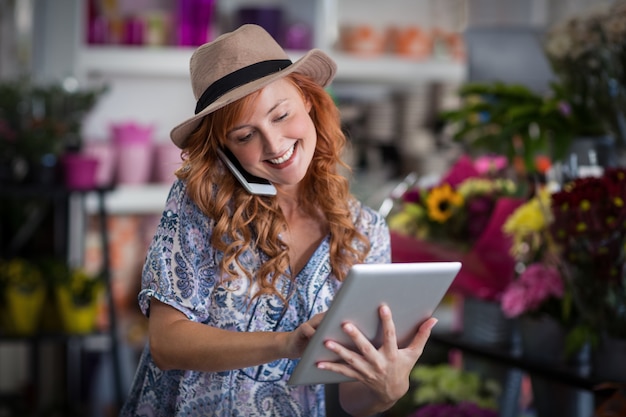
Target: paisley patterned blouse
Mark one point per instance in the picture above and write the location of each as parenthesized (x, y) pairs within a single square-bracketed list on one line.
[(181, 270)]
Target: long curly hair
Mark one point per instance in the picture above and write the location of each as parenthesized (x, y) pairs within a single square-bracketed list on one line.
[(244, 221)]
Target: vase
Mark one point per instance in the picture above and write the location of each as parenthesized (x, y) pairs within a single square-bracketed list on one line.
[(543, 342), (134, 150), (76, 318), (79, 171), (609, 360), (24, 309), (484, 324)]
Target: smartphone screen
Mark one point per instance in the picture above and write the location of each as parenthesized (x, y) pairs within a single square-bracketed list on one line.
[(252, 183)]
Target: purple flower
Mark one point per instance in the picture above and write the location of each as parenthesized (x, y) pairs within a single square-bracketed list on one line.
[(412, 196)]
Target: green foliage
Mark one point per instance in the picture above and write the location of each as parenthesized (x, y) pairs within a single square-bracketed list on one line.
[(20, 273), (447, 384), (37, 120), (512, 120)]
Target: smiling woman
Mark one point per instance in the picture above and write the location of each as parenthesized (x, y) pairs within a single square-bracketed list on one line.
[(236, 283)]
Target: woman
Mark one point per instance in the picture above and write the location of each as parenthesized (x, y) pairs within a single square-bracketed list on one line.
[(234, 283)]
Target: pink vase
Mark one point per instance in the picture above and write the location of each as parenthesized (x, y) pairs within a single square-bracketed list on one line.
[(79, 171), (166, 161), (133, 146), (104, 152)]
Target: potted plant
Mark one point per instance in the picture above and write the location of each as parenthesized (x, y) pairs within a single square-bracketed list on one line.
[(38, 123), (24, 291), (77, 294)]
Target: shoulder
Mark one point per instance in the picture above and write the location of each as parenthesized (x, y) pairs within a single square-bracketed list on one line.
[(365, 217)]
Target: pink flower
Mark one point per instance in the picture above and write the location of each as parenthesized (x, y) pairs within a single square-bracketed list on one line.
[(489, 164), (537, 284), (514, 300)]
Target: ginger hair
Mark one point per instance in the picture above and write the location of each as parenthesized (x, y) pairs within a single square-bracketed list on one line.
[(244, 221)]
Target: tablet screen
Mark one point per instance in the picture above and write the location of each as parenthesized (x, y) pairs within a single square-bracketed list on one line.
[(412, 291)]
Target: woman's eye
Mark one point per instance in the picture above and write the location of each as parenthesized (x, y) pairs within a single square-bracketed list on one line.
[(282, 117), (244, 138)]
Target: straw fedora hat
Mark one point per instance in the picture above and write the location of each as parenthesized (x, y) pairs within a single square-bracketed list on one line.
[(238, 63)]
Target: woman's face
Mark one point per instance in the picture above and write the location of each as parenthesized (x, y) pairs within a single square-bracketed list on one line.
[(275, 137)]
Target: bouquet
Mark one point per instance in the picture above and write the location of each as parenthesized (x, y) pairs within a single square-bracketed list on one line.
[(459, 218), (539, 286), (589, 227)]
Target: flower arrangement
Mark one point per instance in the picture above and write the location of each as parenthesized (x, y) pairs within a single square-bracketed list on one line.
[(588, 52), (447, 391), (454, 211), (539, 287), (569, 249), (459, 218), (589, 227)]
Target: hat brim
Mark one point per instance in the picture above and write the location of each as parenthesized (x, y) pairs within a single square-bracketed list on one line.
[(315, 64)]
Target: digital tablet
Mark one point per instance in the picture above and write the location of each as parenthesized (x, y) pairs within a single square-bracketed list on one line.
[(411, 290)]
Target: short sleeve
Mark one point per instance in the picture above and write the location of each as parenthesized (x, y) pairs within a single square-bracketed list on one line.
[(180, 267), (374, 226)]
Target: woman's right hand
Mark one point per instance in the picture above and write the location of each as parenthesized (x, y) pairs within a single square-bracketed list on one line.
[(298, 339)]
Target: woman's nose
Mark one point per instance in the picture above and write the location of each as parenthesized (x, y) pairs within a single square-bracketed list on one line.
[(271, 142)]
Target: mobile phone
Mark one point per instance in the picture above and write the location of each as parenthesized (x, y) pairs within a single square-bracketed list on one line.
[(252, 183)]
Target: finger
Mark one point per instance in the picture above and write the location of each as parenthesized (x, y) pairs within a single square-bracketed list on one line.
[(390, 341), (422, 335), (352, 364), (316, 320)]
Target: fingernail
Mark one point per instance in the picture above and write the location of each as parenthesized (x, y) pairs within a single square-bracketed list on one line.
[(434, 322)]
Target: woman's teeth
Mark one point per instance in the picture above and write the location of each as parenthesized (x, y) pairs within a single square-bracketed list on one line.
[(283, 158)]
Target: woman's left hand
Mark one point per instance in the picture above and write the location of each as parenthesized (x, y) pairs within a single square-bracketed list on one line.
[(383, 371)]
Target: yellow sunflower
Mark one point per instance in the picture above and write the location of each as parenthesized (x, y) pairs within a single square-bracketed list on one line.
[(442, 201)]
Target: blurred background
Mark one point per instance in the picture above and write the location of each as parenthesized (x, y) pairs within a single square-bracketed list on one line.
[(120, 68)]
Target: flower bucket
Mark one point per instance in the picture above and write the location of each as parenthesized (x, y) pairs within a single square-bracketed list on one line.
[(543, 342), (76, 319), (166, 161), (609, 360), (24, 309), (133, 146), (104, 152), (79, 171)]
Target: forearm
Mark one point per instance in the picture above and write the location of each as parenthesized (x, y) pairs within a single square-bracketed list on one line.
[(178, 343), (359, 401), (195, 346)]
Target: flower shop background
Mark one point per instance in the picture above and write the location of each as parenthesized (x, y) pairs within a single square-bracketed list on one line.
[(544, 277), (394, 133)]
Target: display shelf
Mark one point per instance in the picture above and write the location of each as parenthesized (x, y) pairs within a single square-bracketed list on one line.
[(106, 341), (131, 199), (131, 61), (562, 374)]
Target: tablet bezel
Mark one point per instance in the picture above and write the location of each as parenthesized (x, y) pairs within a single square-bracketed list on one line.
[(412, 290)]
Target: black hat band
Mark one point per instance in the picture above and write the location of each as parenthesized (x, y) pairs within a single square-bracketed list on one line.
[(238, 78)]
